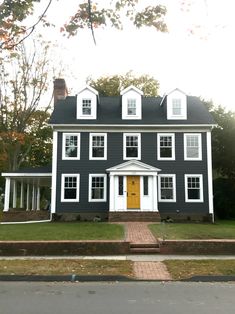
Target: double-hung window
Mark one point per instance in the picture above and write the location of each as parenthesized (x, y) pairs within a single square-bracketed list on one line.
[(131, 106), (176, 107), (86, 107), (192, 146), (193, 188), (131, 146), (70, 187), (97, 188), (71, 146), (98, 146), (166, 146), (166, 188)]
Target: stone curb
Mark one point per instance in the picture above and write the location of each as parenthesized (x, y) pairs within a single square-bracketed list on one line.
[(91, 278)]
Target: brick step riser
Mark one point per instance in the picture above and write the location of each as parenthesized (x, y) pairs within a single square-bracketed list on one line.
[(133, 216), (144, 251), (144, 245)]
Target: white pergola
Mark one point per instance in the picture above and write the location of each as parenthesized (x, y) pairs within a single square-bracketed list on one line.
[(29, 184)]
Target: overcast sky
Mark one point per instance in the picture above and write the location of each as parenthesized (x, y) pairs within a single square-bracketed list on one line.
[(201, 64)]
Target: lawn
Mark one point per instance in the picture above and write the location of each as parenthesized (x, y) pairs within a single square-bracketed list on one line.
[(66, 267), (182, 269), (219, 230), (62, 231)]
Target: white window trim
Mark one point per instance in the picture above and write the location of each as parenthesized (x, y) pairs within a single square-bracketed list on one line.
[(90, 185), (173, 176), (77, 175), (105, 146), (124, 146), (78, 147), (199, 144), (200, 176), (173, 146)]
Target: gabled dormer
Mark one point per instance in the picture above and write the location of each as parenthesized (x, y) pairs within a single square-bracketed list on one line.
[(176, 105), (131, 103), (87, 103)]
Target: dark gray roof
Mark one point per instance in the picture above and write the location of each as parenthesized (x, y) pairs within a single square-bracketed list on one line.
[(109, 112), (38, 170)]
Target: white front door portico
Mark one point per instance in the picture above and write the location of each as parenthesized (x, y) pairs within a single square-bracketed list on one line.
[(133, 187)]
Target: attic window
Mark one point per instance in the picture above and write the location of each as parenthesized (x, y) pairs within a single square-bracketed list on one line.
[(131, 107), (176, 107), (86, 107)]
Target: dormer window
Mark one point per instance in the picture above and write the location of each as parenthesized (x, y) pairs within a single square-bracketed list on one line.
[(176, 105), (87, 103), (131, 107), (86, 107), (131, 103)]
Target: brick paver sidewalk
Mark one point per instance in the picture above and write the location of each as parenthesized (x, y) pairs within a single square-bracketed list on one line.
[(151, 270), (138, 232)]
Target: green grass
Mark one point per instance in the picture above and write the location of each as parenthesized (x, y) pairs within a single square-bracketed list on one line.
[(66, 267), (182, 269), (219, 230), (62, 231)]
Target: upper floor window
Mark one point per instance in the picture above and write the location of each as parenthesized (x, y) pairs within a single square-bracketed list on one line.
[(86, 107), (192, 146), (131, 107), (131, 103), (71, 146), (98, 146), (193, 188), (167, 188), (70, 187), (176, 105), (131, 146), (166, 146), (87, 103)]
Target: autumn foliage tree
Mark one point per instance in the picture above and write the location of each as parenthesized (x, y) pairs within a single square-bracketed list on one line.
[(24, 80), (112, 85)]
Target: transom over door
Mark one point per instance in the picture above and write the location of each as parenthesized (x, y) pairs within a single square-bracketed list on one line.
[(133, 192)]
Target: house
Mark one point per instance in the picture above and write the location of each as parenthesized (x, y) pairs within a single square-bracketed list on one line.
[(127, 157)]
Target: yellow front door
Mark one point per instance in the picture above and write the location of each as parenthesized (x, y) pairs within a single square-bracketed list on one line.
[(133, 192)]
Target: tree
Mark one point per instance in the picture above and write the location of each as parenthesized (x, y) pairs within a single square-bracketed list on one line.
[(88, 15), (24, 79), (112, 85)]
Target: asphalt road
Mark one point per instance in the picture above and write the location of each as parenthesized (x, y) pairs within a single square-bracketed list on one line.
[(116, 298)]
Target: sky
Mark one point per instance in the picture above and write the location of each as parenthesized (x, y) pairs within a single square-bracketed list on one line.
[(197, 55)]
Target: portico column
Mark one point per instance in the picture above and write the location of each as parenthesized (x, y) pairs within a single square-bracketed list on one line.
[(27, 197), (155, 193), (33, 197), (38, 197), (22, 195), (111, 193), (7, 194), (14, 193)]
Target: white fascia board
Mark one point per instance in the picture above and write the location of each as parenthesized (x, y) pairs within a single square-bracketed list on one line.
[(124, 91), (5, 174), (89, 88)]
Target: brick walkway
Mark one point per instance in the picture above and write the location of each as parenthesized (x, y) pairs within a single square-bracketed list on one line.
[(138, 232), (151, 270)]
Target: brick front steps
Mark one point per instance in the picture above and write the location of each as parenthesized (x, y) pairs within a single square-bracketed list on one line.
[(134, 216), (144, 248), (20, 215)]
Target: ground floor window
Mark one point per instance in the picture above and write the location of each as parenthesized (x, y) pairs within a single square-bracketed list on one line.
[(166, 188), (97, 188), (70, 187), (193, 188), (146, 185)]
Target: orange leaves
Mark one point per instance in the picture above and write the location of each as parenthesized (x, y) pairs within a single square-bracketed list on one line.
[(12, 137)]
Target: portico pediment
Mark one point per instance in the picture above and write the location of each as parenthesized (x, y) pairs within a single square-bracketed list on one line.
[(133, 166)]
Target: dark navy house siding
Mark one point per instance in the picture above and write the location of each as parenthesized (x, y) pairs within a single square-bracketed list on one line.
[(179, 166)]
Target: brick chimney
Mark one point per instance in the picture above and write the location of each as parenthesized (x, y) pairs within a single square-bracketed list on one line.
[(60, 90)]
